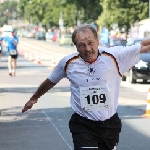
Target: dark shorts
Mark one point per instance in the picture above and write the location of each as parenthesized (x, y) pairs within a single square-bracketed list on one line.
[(13, 56), (92, 135)]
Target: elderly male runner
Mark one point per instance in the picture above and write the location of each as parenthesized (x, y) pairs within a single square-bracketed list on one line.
[(95, 77)]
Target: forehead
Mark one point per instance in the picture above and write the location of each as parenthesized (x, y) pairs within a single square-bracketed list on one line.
[(84, 35)]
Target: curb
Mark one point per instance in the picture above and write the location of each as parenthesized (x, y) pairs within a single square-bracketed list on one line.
[(32, 89)]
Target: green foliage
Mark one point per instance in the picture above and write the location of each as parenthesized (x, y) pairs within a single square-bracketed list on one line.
[(48, 11), (91, 9), (122, 12), (6, 10), (106, 12)]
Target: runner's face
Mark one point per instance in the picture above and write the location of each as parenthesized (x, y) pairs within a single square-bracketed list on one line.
[(13, 33), (87, 45)]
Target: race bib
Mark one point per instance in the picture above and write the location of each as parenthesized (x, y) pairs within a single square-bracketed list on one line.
[(13, 52), (95, 97)]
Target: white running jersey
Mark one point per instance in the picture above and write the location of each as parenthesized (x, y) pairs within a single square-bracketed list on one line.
[(109, 67)]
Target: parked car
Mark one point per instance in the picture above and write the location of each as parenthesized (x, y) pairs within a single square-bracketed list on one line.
[(49, 35), (24, 33), (117, 42), (132, 41), (65, 39), (40, 35), (103, 44), (142, 69), (30, 34)]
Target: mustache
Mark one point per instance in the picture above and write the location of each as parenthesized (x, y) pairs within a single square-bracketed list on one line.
[(89, 52)]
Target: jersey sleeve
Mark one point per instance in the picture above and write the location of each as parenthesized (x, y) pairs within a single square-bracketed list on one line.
[(126, 57), (4, 39), (58, 73)]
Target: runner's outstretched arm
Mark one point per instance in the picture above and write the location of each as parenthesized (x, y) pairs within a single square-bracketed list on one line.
[(42, 89), (145, 46)]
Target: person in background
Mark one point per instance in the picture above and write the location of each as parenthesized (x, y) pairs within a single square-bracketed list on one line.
[(11, 44), (95, 75)]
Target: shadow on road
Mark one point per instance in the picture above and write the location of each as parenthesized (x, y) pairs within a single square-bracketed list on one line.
[(31, 125)]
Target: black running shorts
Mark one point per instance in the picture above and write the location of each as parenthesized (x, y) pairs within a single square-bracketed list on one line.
[(95, 135), (13, 56)]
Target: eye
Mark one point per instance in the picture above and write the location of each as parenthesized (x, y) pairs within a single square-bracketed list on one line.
[(81, 45), (90, 43)]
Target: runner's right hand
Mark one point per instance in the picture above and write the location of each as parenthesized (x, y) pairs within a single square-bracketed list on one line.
[(29, 105)]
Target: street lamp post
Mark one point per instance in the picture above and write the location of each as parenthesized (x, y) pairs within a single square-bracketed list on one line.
[(61, 22)]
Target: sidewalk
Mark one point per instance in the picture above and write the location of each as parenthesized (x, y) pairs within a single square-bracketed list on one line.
[(32, 130)]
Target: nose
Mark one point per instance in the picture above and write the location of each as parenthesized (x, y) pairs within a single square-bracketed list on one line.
[(88, 48)]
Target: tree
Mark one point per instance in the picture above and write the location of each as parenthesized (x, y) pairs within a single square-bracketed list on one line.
[(6, 10), (122, 12), (91, 9), (32, 10), (48, 12)]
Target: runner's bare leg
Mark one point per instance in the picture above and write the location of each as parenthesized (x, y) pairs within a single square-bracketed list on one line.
[(10, 65), (14, 66)]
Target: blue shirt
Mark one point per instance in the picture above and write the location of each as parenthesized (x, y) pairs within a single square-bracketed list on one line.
[(9, 41)]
